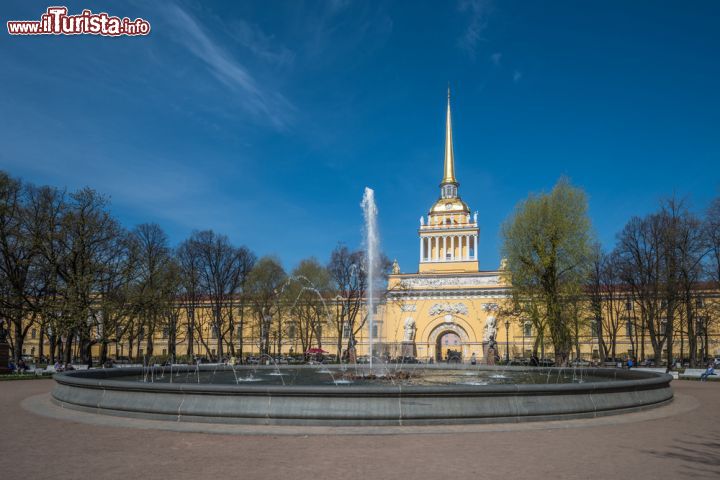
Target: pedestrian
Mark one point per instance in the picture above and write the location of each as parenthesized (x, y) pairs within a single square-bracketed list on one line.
[(710, 371), (534, 361), (473, 359), (630, 363)]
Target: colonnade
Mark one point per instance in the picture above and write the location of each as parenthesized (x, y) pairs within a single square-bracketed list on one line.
[(443, 248)]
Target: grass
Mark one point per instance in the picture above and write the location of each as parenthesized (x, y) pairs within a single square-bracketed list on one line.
[(14, 376)]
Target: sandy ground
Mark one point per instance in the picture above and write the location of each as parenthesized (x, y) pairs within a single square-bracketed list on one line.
[(682, 443)]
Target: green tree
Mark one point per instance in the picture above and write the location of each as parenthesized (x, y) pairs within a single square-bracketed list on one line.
[(265, 287), (308, 299), (548, 245)]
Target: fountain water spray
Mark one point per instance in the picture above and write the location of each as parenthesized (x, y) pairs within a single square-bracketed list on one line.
[(371, 252)]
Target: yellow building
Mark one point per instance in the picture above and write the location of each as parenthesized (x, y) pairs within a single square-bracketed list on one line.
[(449, 304)]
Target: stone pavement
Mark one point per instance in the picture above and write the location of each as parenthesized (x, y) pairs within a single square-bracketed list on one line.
[(681, 440)]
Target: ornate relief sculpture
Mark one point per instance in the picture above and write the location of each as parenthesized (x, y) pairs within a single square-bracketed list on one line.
[(457, 308)]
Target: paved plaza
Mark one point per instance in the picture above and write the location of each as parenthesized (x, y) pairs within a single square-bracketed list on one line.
[(681, 440)]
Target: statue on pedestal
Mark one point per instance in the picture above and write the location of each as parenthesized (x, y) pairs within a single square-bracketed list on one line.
[(491, 352), (408, 344), (490, 328), (409, 330)]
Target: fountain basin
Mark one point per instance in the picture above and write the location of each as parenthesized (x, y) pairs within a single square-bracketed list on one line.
[(119, 392)]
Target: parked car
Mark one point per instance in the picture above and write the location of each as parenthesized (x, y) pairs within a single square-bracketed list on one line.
[(405, 360), (363, 359), (613, 362), (520, 361), (579, 362), (546, 362)]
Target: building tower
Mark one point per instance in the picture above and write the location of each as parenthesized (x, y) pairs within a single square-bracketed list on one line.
[(449, 237)]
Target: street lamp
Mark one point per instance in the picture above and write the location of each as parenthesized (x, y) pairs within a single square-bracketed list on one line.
[(507, 341)]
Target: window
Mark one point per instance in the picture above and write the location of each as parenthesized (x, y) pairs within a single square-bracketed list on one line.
[(374, 331), (699, 303), (214, 332), (291, 330), (164, 351), (628, 305), (628, 329), (593, 328), (33, 333), (346, 330), (527, 329), (165, 332)]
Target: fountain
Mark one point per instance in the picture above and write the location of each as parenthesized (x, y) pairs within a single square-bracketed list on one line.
[(371, 256), (412, 394)]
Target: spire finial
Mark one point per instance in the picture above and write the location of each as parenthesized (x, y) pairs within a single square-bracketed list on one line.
[(449, 167)]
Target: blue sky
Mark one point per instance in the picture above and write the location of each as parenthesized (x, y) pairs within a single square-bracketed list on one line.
[(265, 120)]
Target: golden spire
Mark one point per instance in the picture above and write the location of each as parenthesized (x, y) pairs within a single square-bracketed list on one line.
[(449, 168)]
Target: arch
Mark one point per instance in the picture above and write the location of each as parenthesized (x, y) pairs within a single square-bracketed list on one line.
[(430, 329), (448, 328)]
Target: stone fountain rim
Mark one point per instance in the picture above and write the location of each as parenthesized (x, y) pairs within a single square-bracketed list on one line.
[(622, 380)]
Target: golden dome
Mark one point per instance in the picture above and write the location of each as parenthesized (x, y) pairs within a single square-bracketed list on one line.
[(449, 205)]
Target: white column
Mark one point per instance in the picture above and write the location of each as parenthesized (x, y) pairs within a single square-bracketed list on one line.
[(435, 243), (421, 249), (452, 247), (444, 252), (466, 256), (475, 237)]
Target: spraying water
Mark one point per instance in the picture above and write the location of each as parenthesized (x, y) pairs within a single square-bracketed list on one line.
[(371, 252)]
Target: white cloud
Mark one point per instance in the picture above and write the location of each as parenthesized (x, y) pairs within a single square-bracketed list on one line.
[(517, 75), (264, 105), (496, 58), (477, 12), (261, 44)]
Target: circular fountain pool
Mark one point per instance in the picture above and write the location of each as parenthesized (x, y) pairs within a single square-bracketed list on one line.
[(336, 395)]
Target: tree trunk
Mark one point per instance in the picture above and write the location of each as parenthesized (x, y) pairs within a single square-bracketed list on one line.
[(68, 348), (191, 332), (41, 344)]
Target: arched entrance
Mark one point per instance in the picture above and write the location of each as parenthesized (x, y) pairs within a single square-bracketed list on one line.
[(448, 346), (445, 334)]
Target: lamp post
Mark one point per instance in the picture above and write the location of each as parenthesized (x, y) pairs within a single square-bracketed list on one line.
[(507, 341)]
